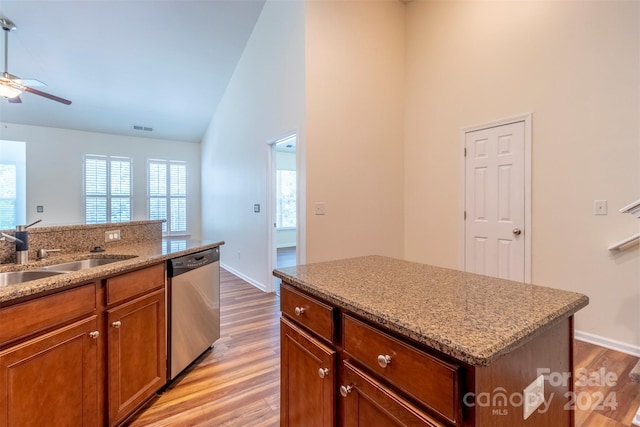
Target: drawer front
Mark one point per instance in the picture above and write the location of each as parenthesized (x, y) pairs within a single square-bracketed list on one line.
[(422, 376), (307, 311), (45, 312), (128, 285)]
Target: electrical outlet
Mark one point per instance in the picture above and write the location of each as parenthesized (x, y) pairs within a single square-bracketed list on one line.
[(533, 396), (320, 208), (111, 236)]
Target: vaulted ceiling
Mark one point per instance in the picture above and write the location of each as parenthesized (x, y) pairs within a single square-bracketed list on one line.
[(159, 64)]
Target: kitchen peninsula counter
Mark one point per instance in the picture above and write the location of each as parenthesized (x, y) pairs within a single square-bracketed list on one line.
[(134, 256)]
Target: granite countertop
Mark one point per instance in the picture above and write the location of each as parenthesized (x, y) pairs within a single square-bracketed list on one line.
[(133, 256), (470, 317)]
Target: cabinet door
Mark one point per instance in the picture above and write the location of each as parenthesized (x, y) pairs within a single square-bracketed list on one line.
[(369, 403), (308, 379), (52, 380), (136, 348)]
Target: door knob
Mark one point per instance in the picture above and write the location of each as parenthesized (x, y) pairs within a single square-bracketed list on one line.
[(517, 231)]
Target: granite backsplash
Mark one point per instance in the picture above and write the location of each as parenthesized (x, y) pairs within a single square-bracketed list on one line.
[(81, 238)]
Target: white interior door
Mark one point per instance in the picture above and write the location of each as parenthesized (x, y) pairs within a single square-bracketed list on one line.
[(495, 201)]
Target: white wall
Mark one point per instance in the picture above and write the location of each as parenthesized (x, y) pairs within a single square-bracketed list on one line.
[(576, 67), (354, 92), (264, 100), (55, 164)]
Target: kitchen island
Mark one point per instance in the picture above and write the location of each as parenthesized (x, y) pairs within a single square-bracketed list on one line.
[(416, 344)]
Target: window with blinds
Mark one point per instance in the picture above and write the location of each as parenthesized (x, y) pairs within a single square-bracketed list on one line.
[(13, 190), (167, 193), (8, 195), (107, 189)]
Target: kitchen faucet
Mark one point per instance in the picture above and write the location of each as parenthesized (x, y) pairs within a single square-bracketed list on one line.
[(22, 242)]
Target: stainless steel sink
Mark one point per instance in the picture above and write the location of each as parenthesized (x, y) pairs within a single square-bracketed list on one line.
[(13, 277), (82, 264)]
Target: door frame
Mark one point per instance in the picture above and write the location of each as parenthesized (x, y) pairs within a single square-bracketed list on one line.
[(271, 206), (527, 119)]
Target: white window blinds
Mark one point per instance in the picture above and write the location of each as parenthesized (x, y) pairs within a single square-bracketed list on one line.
[(8, 195), (107, 188), (167, 192)]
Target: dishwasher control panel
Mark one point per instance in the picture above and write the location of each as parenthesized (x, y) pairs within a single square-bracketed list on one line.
[(185, 263)]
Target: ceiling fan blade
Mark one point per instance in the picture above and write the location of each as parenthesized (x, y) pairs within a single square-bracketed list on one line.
[(15, 100), (46, 95)]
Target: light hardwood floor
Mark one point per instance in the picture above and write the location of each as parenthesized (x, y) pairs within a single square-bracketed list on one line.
[(237, 383)]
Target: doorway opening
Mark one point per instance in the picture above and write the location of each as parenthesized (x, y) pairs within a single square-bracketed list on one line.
[(285, 204)]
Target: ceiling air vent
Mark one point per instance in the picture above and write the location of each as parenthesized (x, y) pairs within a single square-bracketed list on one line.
[(142, 128)]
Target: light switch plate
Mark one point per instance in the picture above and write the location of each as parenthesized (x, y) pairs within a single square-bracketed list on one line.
[(320, 208), (599, 207), (533, 396)]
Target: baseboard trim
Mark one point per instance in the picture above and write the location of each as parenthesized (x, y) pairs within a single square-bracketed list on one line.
[(622, 347), (248, 279)]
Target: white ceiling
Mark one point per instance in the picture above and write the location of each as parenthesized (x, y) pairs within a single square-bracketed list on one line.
[(162, 64)]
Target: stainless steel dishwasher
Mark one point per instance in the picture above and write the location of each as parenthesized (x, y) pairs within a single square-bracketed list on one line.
[(194, 307)]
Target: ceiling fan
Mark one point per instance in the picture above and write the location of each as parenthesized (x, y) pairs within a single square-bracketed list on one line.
[(12, 86)]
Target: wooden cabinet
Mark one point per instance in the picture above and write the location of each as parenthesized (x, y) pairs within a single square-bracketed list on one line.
[(308, 360), (368, 403), (136, 340), (53, 379), (86, 356), (308, 384), (382, 380), (425, 378)]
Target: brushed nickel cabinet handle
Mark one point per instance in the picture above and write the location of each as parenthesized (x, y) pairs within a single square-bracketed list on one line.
[(299, 311), (94, 334), (345, 390), (116, 324), (384, 360), (322, 372)]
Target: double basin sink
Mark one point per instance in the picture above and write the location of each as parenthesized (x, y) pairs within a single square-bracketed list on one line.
[(14, 277)]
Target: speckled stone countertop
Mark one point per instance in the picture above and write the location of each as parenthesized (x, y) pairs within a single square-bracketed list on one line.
[(470, 317), (133, 256)]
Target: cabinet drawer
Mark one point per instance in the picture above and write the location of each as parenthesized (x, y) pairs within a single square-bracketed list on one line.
[(45, 312), (307, 311), (128, 285), (420, 375)]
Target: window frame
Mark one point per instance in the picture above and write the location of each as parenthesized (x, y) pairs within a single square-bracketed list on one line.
[(108, 195)]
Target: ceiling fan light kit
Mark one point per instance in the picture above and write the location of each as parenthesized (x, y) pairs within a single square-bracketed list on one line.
[(12, 86)]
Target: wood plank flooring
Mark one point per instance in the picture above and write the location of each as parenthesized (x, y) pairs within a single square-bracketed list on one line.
[(595, 359), (237, 383)]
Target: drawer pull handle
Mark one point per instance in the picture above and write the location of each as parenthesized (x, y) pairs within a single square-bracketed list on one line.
[(384, 360), (299, 311), (345, 390), (322, 372), (116, 324), (94, 334)]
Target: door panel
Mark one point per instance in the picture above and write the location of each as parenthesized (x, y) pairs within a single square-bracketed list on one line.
[(494, 201)]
